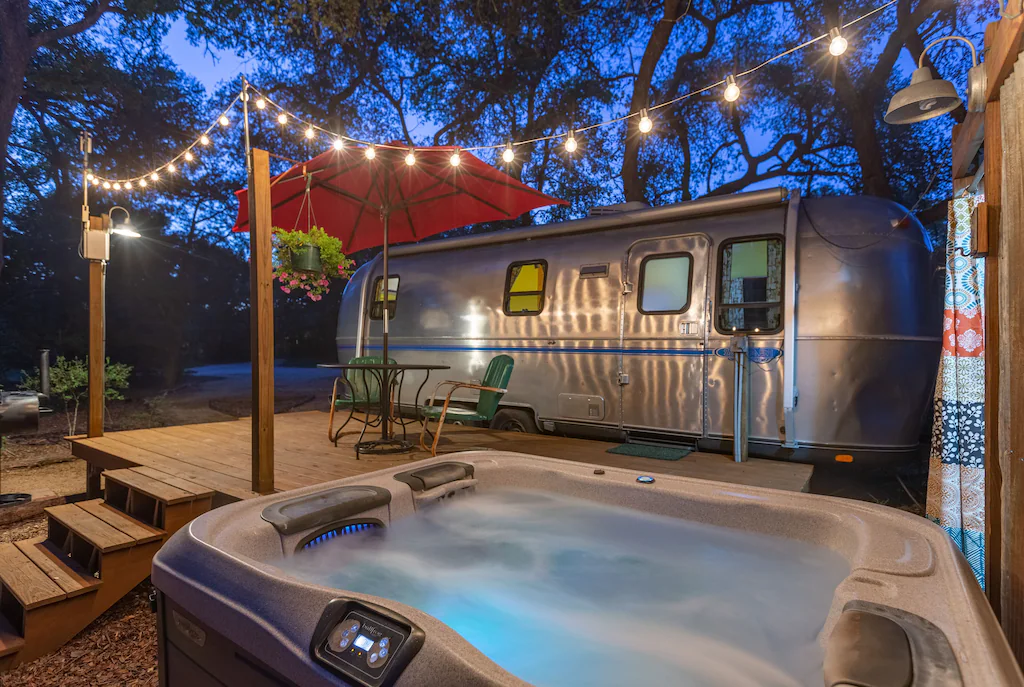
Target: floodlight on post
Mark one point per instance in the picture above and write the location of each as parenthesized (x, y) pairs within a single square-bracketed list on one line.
[(927, 97), (126, 228)]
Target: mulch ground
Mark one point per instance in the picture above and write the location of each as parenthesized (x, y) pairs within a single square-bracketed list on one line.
[(118, 648)]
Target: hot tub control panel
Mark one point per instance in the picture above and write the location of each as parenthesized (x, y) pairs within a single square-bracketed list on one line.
[(366, 644)]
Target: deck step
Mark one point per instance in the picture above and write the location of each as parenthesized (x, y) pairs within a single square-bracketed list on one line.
[(25, 581), (10, 640), (101, 535), (141, 533), (64, 571), (198, 490), (158, 489)]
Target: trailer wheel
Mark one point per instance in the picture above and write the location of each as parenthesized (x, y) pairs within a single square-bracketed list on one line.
[(514, 420)]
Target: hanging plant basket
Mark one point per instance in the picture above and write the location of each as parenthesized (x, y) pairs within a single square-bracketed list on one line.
[(307, 259)]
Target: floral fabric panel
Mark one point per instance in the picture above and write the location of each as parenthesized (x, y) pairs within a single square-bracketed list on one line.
[(956, 470)]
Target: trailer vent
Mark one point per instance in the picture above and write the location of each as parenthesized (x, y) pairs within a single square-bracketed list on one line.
[(593, 271), (617, 208)]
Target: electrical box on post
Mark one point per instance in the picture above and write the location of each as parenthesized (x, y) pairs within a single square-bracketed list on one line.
[(96, 239)]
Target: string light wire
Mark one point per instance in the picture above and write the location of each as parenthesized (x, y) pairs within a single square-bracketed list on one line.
[(286, 116)]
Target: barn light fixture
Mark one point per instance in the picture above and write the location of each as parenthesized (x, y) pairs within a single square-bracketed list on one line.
[(927, 97), (126, 228)]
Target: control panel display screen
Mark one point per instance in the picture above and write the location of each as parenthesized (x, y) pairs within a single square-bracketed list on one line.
[(363, 642)]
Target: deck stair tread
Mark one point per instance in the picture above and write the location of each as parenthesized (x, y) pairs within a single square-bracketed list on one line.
[(25, 580), (196, 489), (67, 574), (157, 488), (104, 536), (10, 640), (140, 532)]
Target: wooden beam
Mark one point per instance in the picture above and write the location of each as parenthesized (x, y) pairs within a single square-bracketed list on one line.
[(97, 334), (1002, 43), (261, 323), (993, 473), (967, 140)]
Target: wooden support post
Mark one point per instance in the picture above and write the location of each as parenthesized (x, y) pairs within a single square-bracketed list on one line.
[(97, 335), (261, 304)]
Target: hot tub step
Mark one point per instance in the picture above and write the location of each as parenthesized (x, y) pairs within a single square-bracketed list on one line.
[(64, 571), (25, 581), (157, 499)]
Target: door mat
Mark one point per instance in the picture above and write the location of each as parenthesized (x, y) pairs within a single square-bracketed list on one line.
[(647, 451)]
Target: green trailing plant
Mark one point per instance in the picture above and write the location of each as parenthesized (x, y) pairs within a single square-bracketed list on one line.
[(314, 285), (69, 383)]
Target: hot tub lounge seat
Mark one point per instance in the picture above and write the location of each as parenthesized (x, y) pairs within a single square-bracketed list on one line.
[(908, 614)]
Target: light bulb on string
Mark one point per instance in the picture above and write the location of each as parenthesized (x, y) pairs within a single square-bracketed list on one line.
[(837, 44), (455, 160), (645, 124), (508, 155), (261, 104), (90, 176), (282, 118), (128, 185), (171, 167), (570, 142), (224, 121), (189, 156), (410, 158), (117, 185), (143, 183), (732, 89), (106, 185), (310, 133), (338, 144), (154, 177), (204, 139), (370, 152), (95, 181)]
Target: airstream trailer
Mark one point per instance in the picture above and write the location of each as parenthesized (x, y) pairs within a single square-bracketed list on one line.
[(620, 324)]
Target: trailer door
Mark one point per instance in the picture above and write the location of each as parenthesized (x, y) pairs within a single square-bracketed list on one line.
[(663, 335)]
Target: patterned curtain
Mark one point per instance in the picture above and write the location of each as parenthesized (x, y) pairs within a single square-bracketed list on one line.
[(956, 471)]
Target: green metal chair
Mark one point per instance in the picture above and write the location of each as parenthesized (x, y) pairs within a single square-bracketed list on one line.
[(363, 396), (492, 388)]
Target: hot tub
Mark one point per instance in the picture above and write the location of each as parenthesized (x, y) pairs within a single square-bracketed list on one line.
[(493, 568)]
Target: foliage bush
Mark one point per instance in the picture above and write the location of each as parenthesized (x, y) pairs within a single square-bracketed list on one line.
[(69, 382), (313, 284)]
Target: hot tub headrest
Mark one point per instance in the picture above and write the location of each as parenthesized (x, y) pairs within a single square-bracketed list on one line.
[(323, 508), (435, 475)]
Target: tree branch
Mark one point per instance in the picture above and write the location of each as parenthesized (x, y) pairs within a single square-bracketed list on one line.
[(91, 16)]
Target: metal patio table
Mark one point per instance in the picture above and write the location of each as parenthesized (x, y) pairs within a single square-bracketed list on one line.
[(390, 377)]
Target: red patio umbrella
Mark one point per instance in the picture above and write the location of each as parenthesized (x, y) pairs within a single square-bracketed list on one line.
[(375, 202)]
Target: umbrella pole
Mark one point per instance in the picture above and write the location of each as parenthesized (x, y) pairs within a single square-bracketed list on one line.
[(385, 392)]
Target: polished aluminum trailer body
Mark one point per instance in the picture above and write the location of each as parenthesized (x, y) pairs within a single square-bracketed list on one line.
[(849, 369)]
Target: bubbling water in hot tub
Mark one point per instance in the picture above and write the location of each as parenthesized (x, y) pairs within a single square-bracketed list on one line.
[(564, 591)]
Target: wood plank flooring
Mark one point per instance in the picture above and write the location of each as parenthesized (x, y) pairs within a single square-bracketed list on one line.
[(218, 454)]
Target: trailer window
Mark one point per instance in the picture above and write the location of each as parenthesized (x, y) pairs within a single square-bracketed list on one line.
[(750, 286), (665, 283), (524, 287), (376, 308)]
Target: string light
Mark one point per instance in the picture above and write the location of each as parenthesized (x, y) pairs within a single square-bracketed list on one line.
[(117, 186), (837, 44), (154, 177), (732, 89), (143, 183), (410, 158), (455, 160), (128, 185), (645, 124), (570, 142)]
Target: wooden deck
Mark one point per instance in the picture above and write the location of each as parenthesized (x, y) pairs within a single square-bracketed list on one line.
[(218, 455)]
